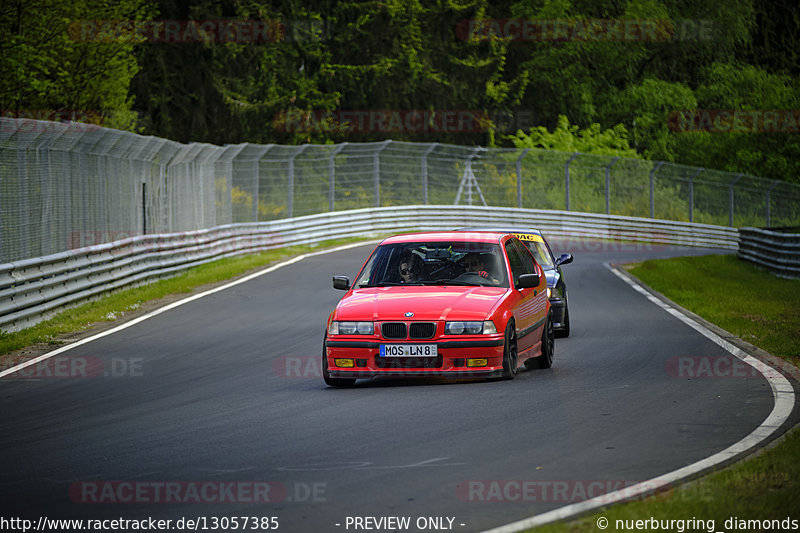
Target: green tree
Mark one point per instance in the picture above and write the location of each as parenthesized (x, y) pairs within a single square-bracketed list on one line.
[(568, 137), (760, 144), (346, 56), (648, 108), (58, 61), (775, 43)]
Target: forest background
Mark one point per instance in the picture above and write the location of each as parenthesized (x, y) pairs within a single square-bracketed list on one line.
[(711, 84)]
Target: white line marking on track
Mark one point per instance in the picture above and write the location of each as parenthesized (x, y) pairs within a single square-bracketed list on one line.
[(178, 303), (782, 392)]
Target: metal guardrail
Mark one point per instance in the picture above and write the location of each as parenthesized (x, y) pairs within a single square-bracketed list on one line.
[(33, 289), (777, 252)]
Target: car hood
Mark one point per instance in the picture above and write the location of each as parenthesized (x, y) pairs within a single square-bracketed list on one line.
[(426, 302)]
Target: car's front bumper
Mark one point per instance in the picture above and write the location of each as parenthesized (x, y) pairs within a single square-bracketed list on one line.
[(451, 360)]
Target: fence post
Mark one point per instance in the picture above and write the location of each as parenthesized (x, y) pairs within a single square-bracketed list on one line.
[(211, 155), (731, 198), (144, 208), (332, 177), (24, 184), (566, 179), (424, 170), (255, 164), (519, 176), (63, 178), (376, 171), (231, 152), (257, 179), (653, 171), (769, 191), (608, 185), (290, 201), (691, 193)]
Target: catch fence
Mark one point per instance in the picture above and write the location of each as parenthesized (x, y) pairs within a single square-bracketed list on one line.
[(66, 185)]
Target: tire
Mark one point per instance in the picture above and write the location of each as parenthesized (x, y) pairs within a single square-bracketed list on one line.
[(333, 382), (564, 332), (548, 344), (510, 354)]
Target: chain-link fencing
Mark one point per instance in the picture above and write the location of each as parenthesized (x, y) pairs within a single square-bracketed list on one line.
[(66, 185)]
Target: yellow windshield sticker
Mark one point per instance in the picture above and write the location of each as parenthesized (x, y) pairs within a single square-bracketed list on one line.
[(528, 237)]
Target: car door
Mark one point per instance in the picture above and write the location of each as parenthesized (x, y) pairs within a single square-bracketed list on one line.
[(531, 306)]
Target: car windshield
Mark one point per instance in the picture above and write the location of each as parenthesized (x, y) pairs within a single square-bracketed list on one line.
[(541, 253), (435, 263)]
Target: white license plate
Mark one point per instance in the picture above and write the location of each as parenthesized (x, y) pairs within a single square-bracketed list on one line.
[(408, 350)]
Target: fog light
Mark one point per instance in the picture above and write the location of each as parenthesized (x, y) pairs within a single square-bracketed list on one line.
[(344, 363), (478, 362)]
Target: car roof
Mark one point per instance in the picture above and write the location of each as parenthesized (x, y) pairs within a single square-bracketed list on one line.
[(513, 231), (470, 236)]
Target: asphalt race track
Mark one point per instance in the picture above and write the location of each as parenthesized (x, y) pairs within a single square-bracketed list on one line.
[(217, 409)]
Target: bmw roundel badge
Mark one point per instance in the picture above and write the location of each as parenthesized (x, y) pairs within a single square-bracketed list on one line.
[(408, 314)]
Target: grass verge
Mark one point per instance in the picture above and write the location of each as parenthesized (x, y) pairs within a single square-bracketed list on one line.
[(754, 305), (121, 304), (765, 311)]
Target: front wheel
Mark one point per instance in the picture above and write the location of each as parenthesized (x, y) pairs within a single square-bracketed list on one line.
[(333, 382), (510, 355)]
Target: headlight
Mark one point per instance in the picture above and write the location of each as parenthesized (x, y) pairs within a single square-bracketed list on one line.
[(485, 327), (351, 328), (555, 292)]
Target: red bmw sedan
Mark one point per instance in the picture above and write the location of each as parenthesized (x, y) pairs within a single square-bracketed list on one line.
[(456, 304)]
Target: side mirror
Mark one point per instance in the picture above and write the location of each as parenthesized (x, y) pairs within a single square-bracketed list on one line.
[(564, 259), (341, 282), (528, 281)]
